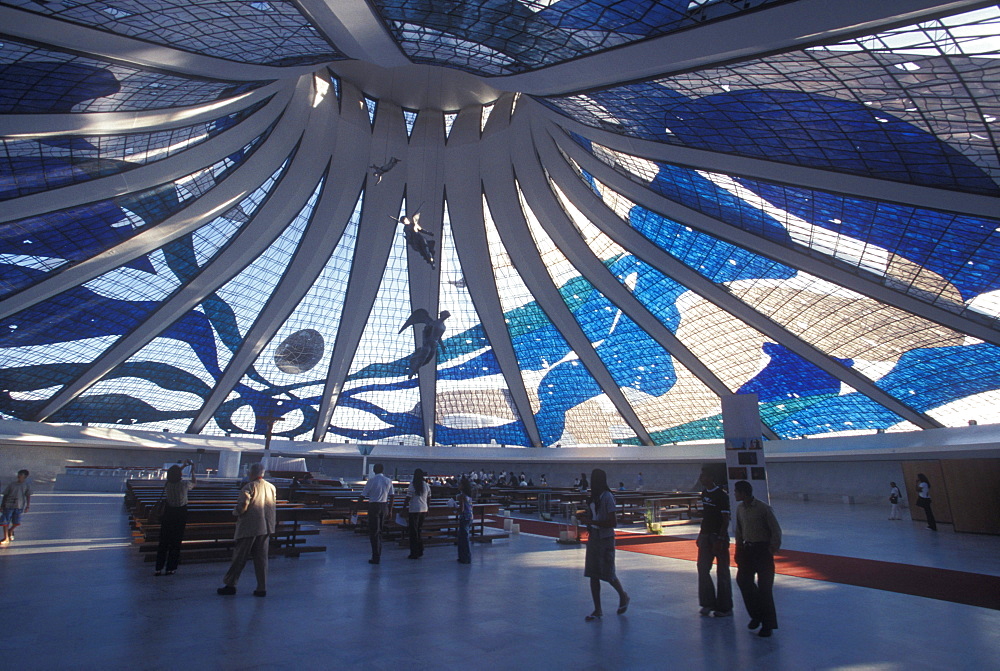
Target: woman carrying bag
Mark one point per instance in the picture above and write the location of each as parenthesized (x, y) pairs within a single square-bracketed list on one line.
[(894, 497)]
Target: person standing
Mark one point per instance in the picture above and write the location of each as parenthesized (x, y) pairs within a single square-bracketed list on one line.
[(601, 518), (418, 496), (924, 500), (465, 522), (16, 501), (894, 497), (639, 483), (758, 537), (174, 519), (713, 546), (377, 490), (255, 521)]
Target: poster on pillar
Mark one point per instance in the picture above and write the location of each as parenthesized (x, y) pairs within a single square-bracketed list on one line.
[(744, 443)]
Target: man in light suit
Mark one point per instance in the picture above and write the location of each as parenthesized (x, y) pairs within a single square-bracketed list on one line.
[(255, 513)]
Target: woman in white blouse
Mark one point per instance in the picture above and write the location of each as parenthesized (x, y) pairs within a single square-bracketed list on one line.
[(418, 496)]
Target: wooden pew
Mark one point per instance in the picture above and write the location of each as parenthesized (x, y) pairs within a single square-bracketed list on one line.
[(211, 523)]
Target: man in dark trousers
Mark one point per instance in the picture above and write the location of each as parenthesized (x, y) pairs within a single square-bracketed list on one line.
[(758, 537), (377, 491), (713, 546)]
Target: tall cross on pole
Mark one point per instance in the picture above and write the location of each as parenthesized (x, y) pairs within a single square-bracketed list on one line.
[(268, 421)]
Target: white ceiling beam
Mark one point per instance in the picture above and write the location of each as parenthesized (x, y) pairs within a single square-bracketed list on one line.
[(855, 279), (605, 219), (18, 126), (464, 155), (101, 44), (557, 224), (504, 203), (329, 221), (253, 239), (376, 235), (148, 175), (740, 37), (248, 176), (424, 194), (870, 188), (356, 30)]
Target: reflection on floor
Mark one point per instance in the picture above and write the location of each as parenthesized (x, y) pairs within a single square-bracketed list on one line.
[(76, 595)]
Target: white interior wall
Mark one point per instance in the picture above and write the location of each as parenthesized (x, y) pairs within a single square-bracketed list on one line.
[(826, 469)]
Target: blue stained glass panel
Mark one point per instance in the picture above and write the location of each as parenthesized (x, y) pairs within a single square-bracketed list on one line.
[(473, 404), (276, 384), (31, 166), (798, 398), (932, 377), (33, 247), (558, 383), (45, 346), (36, 80), (183, 358), (914, 105), (963, 250), (379, 401)]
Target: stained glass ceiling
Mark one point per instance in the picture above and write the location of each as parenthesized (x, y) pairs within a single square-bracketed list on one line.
[(218, 217)]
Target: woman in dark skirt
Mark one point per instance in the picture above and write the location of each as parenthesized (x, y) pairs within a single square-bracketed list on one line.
[(602, 518)]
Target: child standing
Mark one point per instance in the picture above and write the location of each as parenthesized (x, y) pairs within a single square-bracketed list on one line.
[(16, 500)]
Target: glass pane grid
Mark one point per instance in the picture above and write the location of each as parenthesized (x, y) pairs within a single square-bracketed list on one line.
[(473, 402), (32, 248), (570, 407), (183, 358), (44, 81), (496, 38), (918, 105), (32, 166), (289, 375), (269, 33), (236, 305), (832, 319), (948, 260), (643, 370), (379, 403)]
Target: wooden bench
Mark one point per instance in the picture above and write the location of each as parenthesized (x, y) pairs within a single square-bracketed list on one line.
[(211, 524)]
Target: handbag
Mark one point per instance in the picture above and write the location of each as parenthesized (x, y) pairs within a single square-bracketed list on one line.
[(893, 499), (160, 507)]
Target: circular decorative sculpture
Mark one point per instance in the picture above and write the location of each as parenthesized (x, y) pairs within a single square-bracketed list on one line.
[(299, 352)]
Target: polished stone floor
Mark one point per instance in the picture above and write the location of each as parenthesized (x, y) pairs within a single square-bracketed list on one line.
[(76, 595)]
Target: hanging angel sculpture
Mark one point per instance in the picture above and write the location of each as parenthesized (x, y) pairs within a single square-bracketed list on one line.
[(433, 330), (419, 239), (379, 170)]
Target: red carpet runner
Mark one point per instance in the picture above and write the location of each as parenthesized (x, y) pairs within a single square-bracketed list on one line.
[(971, 589)]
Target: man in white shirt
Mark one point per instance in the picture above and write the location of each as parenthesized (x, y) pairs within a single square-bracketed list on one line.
[(377, 491)]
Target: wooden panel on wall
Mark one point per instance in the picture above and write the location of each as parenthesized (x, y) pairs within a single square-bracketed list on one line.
[(974, 494), (939, 490)]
